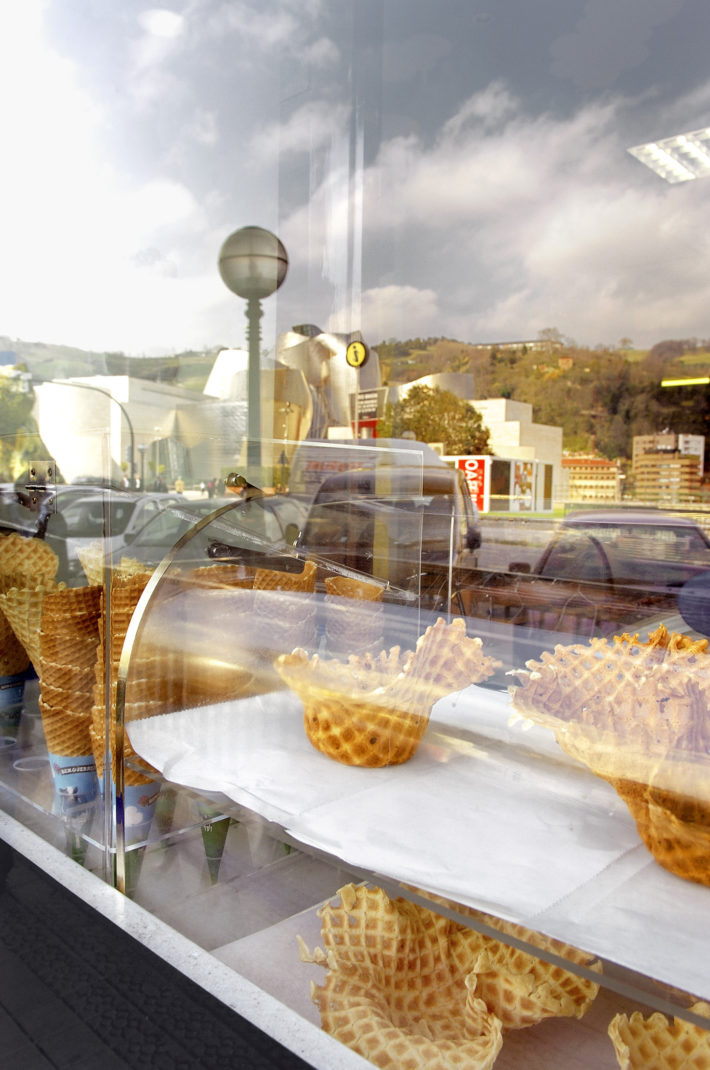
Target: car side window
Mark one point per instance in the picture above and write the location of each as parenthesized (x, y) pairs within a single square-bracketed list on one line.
[(575, 557)]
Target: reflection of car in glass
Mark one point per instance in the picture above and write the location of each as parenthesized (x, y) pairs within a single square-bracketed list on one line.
[(115, 518), (601, 571), (401, 525), (271, 520)]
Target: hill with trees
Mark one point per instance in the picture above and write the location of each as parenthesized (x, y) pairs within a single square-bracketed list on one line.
[(600, 397)]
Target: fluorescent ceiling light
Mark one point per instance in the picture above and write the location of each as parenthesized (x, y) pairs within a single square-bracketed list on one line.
[(679, 158)]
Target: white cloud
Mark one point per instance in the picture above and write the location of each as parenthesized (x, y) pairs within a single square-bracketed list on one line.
[(306, 131), (518, 223), (394, 312)]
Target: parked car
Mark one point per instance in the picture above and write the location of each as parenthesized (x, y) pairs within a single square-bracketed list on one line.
[(113, 517), (408, 526), (602, 572), (263, 522)]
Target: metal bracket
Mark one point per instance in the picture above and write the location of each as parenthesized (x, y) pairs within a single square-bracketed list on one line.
[(41, 487)]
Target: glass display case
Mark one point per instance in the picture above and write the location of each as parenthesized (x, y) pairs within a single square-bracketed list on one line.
[(365, 647)]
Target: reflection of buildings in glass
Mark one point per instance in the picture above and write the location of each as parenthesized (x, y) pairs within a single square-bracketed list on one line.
[(320, 356), (667, 466), (588, 478)]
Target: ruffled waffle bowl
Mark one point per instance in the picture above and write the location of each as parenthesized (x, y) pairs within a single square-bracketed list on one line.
[(637, 714), (655, 1043), (407, 987), (373, 711)]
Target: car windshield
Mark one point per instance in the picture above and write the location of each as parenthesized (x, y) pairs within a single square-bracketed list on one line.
[(94, 517), (656, 543)]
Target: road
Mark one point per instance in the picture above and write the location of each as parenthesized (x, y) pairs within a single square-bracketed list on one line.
[(507, 540)]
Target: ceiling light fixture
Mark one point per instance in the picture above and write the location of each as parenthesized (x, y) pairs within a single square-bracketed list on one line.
[(679, 158)]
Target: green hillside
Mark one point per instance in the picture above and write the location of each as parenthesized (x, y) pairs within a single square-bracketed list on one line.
[(600, 397)]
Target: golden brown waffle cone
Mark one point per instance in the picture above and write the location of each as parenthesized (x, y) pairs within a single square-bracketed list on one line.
[(67, 677), (130, 566), (271, 580), (348, 587), (78, 604), (391, 992), (655, 1043), (373, 712), (66, 733), (70, 700), (91, 558), (26, 562), (23, 609), (14, 659), (354, 616), (220, 575), (65, 648)]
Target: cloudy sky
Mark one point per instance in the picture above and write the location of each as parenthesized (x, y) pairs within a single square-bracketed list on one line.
[(434, 167)]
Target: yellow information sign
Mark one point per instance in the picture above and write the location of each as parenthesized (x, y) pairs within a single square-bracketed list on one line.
[(356, 354)]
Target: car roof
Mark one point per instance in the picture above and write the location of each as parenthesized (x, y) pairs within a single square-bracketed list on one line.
[(431, 478), (647, 517)]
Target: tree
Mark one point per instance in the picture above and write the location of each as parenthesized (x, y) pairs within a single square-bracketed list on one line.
[(20, 442), (436, 415)]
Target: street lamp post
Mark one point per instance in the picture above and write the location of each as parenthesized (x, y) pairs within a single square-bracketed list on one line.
[(253, 264)]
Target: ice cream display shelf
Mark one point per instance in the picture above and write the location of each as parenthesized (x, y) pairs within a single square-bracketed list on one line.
[(486, 814)]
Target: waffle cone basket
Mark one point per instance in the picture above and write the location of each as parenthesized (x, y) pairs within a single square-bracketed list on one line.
[(637, 715), (374, 711), (655, 1042), (409, 987)]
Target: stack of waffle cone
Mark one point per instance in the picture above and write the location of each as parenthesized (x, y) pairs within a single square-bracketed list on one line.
[(14, 659), (655, 1043), (392, 993), (28, 569), (222, 576), (284, 609), (374, 711), (272, 580), (637, 715), (354, 616), (124, 594), (407, 986), (68, 639)]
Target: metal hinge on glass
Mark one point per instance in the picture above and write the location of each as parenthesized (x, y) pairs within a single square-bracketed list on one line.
[(40, 492)]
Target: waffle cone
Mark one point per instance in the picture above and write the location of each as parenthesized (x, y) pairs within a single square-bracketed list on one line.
[(64, 648), (392, 994), (67, 677), (92, 560), (655, 1043), (72, 607), (348, 587), (23, 609), (66, 733), (13, 656), (79, 702), (374, 711), (271, 580), (353, 625), (221, 576), (26, 562)]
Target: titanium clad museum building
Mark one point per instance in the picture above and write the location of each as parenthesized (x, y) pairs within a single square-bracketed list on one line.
[(393, 773)]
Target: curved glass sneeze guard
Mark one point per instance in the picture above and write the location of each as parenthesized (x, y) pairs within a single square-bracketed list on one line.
[(284, 683)]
